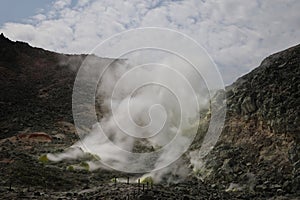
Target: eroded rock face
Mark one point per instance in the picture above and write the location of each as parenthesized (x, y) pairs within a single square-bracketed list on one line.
[(270, 92), (36, 137), (262, 129), (29, 137)]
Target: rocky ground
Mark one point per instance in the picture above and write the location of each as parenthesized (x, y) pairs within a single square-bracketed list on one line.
[(257, 156)]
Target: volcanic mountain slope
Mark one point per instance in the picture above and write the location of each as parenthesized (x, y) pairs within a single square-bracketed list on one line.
[(36, 87), (259, 147), (257, 155)]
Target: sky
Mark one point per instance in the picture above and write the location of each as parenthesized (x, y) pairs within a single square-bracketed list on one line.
[(19, 11), (236, 34)]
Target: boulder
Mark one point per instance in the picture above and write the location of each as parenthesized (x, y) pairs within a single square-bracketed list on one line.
[(248, 106)]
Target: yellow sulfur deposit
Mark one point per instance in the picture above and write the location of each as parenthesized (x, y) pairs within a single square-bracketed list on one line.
[(43, 159), (147, 179)]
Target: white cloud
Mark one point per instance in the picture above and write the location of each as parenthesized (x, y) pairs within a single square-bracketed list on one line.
[(237, 34), (60, 4)]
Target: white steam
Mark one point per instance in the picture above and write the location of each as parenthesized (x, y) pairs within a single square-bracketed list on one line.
[(150, 111), (158, 102)]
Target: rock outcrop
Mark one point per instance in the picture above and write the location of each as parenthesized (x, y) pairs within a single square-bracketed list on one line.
[(259, 146)]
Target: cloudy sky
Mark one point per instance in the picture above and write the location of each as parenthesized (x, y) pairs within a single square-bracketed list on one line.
[(237, 34)]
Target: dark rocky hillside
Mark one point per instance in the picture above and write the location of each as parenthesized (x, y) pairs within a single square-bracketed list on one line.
[(259, 147), (35, 87), (270, 93), (256, 157)]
